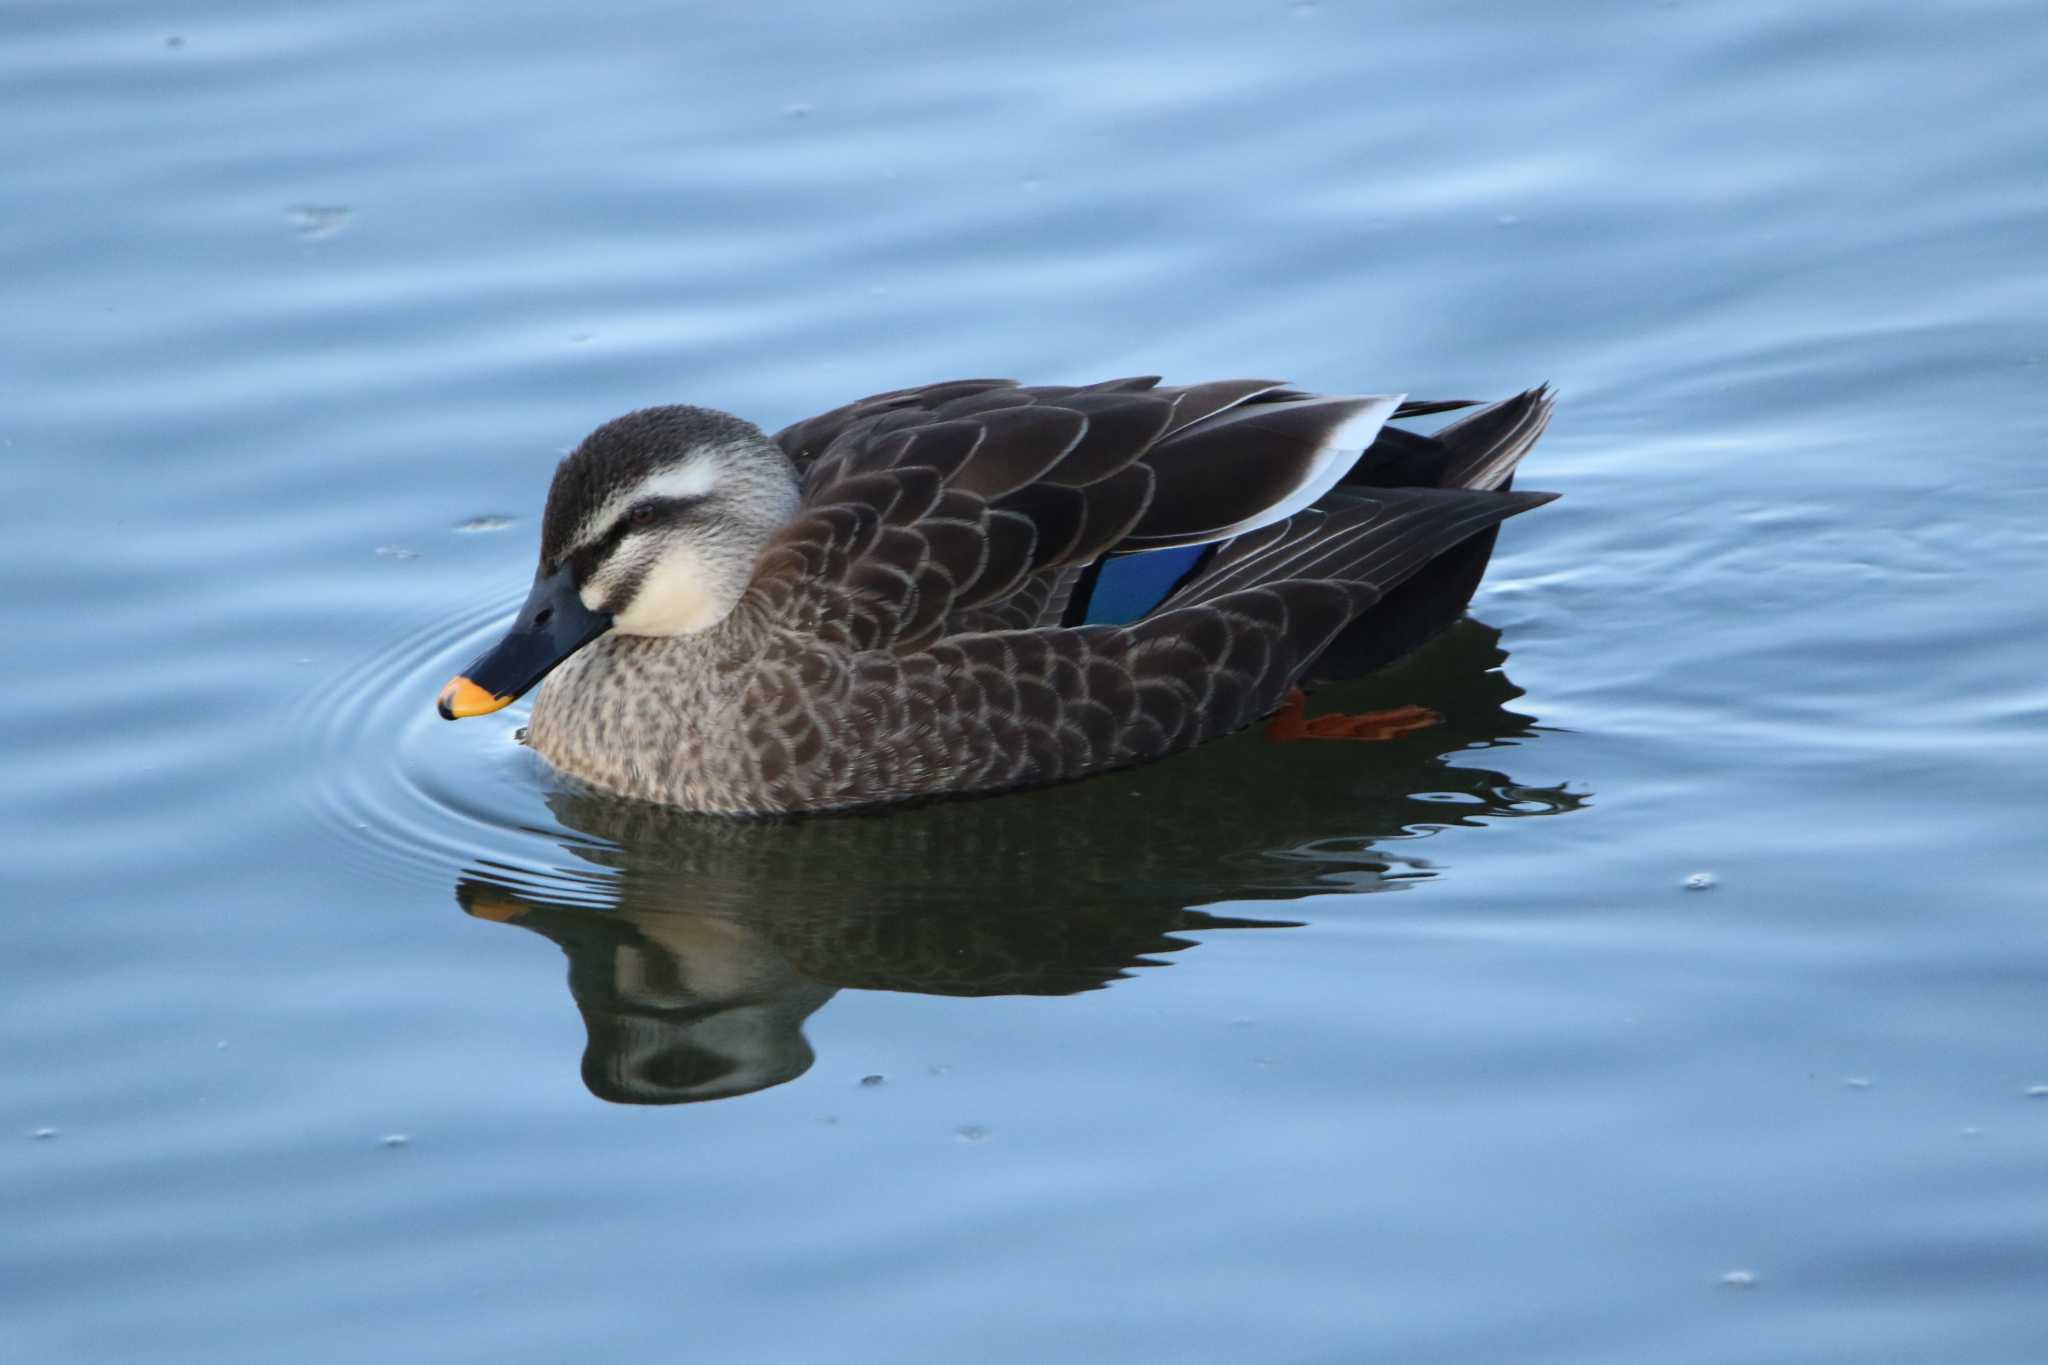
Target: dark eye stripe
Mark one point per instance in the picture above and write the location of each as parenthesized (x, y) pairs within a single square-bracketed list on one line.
[(666, 511), (652, 512)]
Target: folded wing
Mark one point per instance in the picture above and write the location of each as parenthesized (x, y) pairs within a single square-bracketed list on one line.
[(977, 504)]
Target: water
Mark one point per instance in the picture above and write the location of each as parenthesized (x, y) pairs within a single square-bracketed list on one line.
[(1431, 1050)]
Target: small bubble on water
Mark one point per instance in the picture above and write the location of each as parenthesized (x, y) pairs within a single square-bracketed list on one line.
[(1857, 1082), (396, 552), (395, 1140), (42, 1134), (1699, 881), (480, 525), (971, 1133), (873, 1079), (1740, 1279), (318, 220)]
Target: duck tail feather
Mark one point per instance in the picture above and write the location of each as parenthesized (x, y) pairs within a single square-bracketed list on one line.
[(1424, 407), (1483, 447)]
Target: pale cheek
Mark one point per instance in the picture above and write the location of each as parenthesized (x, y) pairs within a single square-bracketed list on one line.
[(676, 598)]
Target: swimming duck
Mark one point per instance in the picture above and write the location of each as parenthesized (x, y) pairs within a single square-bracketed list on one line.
[(977, 586)]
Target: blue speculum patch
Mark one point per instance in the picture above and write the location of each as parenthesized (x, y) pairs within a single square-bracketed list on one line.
[(1132, 585)]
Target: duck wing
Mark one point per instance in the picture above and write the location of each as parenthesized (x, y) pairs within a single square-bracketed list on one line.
[(918, 512), (976, 504)]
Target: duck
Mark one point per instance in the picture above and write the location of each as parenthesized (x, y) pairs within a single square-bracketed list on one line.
[(979, 586)]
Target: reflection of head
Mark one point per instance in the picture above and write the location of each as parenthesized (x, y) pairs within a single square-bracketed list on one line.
[(645, 1057), (722, 936), (677, 1006)]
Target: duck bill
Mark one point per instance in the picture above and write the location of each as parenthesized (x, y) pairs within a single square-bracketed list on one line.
[(552, 625)]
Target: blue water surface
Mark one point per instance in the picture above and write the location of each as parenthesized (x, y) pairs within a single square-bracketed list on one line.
[(1679, 998)]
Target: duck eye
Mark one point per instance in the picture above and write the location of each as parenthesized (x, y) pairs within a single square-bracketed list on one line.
[(646, 514)]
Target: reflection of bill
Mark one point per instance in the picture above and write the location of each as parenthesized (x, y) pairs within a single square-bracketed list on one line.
[(720, 938)]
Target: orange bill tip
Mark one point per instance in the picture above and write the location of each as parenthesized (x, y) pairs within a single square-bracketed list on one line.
[(497, 909), (461, 697)]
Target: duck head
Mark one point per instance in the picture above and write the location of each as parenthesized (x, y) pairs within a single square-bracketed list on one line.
[(653, 526)]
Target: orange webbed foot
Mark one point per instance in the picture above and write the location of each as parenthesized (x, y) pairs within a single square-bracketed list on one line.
[(1292, 722)]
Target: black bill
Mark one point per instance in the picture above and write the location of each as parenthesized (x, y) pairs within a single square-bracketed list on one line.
[(552, 625)]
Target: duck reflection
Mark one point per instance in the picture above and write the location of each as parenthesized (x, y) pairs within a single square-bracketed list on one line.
[(698, 946)]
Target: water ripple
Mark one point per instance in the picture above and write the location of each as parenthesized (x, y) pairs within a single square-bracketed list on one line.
[(407, 795)]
